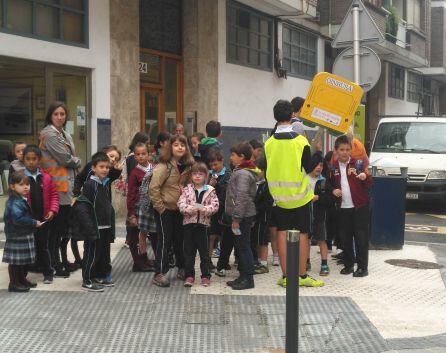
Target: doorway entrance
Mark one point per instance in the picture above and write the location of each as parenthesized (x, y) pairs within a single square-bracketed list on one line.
[(151, 112), (161, 92)]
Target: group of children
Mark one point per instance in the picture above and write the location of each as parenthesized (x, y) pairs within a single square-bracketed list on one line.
[(34, 203), (183, 199)]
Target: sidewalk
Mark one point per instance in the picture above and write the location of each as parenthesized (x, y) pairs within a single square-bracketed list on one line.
[(394, 310)]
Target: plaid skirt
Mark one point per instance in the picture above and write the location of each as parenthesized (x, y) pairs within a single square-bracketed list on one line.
[(19, 250), (146, 219)]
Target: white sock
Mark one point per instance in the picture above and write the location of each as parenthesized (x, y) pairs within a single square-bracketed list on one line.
[(264, 263)]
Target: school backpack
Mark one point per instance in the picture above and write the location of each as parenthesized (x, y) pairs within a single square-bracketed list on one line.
[(144, 197), (264, 201)]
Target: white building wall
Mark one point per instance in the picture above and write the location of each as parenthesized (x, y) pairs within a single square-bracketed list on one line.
[(246, 96), (96, 58)]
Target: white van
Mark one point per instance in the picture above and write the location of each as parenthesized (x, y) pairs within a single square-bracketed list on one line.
[(418, 143)]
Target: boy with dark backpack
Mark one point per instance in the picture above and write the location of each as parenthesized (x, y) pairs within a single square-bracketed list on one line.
[(94, 222), (322, 201), (259, 233)]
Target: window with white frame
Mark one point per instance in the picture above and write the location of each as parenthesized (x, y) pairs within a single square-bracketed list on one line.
[(396, 81), (299, 52), (249, 37), (414, 86)]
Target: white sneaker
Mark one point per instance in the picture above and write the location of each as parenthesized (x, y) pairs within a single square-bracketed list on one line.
[(276, 260)]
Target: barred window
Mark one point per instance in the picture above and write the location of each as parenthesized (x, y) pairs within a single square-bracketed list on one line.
[(62, 21), (414, 86), (249, 37), (299, 52), (396, 81)]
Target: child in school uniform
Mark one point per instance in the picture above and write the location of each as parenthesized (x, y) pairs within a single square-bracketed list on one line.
[(19, 248), (44, 202), (240, 207), (197, 203), (94, 222), (351, 189), (17, 163), (322, 200), (138, 210)]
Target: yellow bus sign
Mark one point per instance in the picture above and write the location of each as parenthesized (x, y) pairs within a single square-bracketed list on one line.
[(331, 103)]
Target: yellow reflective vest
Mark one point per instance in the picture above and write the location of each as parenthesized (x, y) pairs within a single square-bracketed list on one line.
[(288, 183)]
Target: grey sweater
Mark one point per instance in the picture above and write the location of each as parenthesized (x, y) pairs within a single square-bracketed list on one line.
[(59, 146), (240, 194)]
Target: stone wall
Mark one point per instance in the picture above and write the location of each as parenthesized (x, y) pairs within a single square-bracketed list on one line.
[(200, 58), (124, 33), (125, 111)]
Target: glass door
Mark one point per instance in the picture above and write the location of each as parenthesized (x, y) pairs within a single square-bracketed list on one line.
[(151, 112), (71, 87)]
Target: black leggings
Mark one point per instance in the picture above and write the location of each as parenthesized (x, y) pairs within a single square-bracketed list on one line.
[(170, 232)]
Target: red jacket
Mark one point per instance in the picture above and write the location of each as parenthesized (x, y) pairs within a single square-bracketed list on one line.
[(134, 182), (50, 195), (359, 189)]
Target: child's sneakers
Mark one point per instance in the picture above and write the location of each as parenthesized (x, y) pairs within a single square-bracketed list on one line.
[(310, 282), (92, 287), (48, 279), (189, 282), (104, 282), (220, 273), (205, 282), (261, 269), (282, 282), (325, 270), (161, 280), (276, 260)]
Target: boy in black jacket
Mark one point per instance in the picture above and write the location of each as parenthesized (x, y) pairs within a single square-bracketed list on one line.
[(94, 222), (321, 202), (219, 179)]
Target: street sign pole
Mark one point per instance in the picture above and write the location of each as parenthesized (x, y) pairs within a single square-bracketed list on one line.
[(356, 44)]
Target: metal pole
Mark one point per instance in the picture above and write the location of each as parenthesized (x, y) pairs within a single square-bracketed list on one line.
[(356, 44), (292, 292)]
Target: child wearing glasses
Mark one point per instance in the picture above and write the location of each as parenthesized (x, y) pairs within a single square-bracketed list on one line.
[(197, 203)]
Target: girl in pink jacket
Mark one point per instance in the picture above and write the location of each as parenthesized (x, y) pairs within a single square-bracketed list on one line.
[(197, 203)]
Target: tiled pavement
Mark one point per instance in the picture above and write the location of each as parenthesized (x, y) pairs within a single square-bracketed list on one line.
[(136, 316)]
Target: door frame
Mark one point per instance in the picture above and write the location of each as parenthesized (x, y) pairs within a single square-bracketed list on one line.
[(160, 87), (142, 100)]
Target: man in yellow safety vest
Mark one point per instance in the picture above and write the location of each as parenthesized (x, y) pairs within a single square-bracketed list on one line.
[(288, 161)]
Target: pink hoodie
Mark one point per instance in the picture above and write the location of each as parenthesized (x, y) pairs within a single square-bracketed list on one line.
[(187, 202)]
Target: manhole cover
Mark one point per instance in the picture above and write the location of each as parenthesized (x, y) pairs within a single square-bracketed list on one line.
[(416, 264)]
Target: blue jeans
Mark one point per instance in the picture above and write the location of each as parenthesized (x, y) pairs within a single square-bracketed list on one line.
[(242, 244)]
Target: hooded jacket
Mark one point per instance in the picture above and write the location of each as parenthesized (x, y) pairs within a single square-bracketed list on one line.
[(188, 200), (88, 210), (50, 195), (241, 193)]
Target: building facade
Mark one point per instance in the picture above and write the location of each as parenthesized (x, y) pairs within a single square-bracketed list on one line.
[(143, 65)]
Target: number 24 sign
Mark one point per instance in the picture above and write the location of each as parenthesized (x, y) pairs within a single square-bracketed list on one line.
[(143, 67)]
